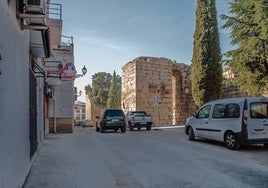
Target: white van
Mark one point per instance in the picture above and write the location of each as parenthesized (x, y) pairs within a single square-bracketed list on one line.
[(234, 121)]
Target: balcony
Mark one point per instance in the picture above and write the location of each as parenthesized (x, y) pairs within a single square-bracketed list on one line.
[(32, 14)]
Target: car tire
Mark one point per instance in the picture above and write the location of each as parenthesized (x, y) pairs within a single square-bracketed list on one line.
[(123, 129), (102, 129), (265, 145), (148, 128), (131, 128), (97, 129), (191, 135), (231, 141)]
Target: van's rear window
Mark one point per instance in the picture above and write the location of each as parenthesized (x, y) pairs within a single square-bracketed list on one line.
[(258, 110)]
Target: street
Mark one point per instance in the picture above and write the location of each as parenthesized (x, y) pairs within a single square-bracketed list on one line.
[(150, 159)]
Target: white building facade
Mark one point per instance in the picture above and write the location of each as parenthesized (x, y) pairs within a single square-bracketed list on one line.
[(27, 106)]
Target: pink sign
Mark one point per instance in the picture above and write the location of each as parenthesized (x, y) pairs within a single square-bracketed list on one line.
[(69, 70)]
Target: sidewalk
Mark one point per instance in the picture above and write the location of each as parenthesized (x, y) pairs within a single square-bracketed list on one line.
[(72, 161), (68, 161)]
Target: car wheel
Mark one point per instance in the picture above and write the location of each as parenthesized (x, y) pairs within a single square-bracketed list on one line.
[(148, 128), (97, 129), (115, 130), (265, 145), (123, 129), (131, 128), (231, 141), (102, 129), (191, 135), (139, 128)]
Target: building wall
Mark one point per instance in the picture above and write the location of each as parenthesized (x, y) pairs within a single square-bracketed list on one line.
[(61, 117), (157, 85), (61, 106), (14, 94), (91, 112)]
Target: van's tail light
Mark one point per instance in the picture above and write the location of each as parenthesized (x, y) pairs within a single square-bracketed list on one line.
[(245, 117), (244, 124)]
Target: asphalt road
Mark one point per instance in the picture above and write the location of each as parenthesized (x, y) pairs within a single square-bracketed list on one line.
[(145, 159)]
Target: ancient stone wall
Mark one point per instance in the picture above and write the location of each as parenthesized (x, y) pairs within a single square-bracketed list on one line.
[(158, 86), (91, 112)]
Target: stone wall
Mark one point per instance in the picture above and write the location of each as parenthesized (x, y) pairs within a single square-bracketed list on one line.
[(229, 91), (91, 112), (158, 86)]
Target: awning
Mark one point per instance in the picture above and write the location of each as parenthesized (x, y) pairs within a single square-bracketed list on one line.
[(40, 43)]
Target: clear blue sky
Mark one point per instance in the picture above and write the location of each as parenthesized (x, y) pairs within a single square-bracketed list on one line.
[(110, 33)]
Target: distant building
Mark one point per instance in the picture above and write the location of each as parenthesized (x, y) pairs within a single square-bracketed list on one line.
[(79, 110)]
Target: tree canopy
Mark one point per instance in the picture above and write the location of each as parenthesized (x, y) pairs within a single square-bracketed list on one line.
[(248, 25), (206, 61), (104, 86)]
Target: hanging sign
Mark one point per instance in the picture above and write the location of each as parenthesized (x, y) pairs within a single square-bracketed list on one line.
[(69, 70)]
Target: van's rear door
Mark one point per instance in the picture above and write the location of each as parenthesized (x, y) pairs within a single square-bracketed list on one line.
[(257, 122)]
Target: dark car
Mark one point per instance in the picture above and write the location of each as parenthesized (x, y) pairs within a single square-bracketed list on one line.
[(111, 119)]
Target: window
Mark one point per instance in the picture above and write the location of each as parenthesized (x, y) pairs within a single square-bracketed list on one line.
[(226, 111), (233, 111), (219, 111), (203, 113), (258, 110)]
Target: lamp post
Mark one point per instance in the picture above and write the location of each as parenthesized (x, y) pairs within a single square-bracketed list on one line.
[(84, 71)]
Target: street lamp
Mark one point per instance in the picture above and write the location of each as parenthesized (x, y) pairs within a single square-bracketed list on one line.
[(84, 71)]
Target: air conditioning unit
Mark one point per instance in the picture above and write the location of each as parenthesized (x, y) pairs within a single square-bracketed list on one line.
[(34, 6)]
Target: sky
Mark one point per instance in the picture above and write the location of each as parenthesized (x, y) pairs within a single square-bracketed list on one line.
[(110, 33)]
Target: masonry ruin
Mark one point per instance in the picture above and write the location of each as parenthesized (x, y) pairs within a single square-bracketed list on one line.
[(159, 86)]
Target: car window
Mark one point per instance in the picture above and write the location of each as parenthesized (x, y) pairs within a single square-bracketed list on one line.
[(233, 111), (226, 111), (114, 113), (219, 111), (204, 112), (258, 110)]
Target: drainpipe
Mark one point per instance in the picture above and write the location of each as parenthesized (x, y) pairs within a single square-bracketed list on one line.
[(54, 113)]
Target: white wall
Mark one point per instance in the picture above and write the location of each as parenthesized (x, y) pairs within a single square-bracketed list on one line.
[(14, 99), (64, 100)]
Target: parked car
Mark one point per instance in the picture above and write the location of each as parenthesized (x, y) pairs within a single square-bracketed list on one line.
[(111, 119), (83, 123), (79, 123), (139, 119), (234, 121)]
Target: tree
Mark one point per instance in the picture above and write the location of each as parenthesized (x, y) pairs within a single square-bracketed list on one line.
[(114, 97), (98, 93), (248, 25), (206, 61)]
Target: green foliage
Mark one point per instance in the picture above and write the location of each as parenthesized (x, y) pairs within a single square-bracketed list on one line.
[(114, 97), (206, 61), (105, 91), (98, 92), (248, 25)]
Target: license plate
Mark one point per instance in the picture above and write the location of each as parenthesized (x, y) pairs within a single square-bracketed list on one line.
[(258, 133)]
